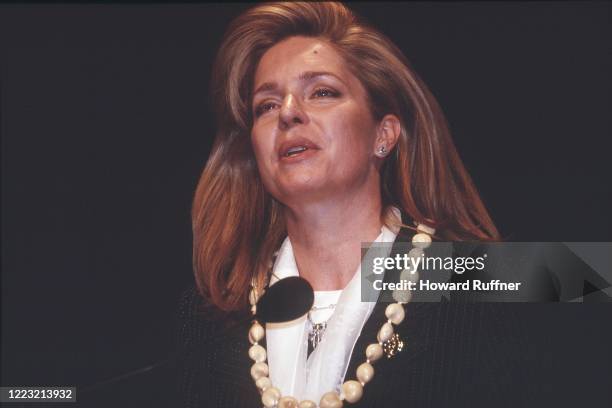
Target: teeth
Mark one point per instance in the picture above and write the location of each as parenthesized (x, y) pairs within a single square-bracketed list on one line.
[(295, 150)]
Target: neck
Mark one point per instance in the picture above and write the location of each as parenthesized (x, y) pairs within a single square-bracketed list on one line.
[(326, 237)]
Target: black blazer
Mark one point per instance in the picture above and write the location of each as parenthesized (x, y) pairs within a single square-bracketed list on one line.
[(455, 354)]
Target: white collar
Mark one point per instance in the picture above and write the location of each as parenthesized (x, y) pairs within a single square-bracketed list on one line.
[(287, 343)]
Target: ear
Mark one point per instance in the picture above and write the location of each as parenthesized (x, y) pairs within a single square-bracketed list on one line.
[(387, 135)]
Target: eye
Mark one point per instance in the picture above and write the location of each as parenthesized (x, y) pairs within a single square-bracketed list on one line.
[(325, 92), (264, 108)]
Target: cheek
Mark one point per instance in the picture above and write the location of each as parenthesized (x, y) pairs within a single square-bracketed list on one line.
[(353, 136), (262, 147)]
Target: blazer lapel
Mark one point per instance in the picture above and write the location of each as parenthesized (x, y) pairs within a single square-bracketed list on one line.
[(409, 330)]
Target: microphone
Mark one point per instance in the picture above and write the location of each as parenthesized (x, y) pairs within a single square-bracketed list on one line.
[(286, 300)]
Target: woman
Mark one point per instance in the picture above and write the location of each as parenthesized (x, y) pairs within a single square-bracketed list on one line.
[(326, 139)]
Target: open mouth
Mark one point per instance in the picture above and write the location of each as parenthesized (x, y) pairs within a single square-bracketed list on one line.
[(295, 151)]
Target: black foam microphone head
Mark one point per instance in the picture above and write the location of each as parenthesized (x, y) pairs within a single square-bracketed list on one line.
[(286, 300)]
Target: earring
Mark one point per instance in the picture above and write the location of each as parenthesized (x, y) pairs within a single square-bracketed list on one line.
[(382, 151)]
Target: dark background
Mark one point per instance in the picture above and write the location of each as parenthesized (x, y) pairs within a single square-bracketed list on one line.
[(106, 126)]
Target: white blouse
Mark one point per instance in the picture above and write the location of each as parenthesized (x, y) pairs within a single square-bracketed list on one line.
[(291, 371)]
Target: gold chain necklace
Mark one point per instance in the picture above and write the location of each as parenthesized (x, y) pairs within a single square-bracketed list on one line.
[(351, 390)]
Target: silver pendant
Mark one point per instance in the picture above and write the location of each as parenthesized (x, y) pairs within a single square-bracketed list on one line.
[(316, 334)]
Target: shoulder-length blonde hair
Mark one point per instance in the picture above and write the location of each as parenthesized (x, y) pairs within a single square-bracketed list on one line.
[(237, 225)]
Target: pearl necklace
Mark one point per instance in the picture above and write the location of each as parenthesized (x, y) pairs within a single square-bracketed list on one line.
[(352, 390)]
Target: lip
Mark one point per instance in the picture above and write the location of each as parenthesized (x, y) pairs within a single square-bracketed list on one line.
[(297, 141)]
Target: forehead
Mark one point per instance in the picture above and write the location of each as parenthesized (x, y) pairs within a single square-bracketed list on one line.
[(290, 57)]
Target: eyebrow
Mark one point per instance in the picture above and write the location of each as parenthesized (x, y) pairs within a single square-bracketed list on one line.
[(304, 77)]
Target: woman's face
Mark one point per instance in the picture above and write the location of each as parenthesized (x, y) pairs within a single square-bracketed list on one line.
[(313, 133)]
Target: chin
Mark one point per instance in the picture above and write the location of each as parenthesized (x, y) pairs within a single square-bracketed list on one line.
[(300, 188)]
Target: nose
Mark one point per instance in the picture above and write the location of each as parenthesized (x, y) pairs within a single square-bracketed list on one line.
[(291, 113)]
